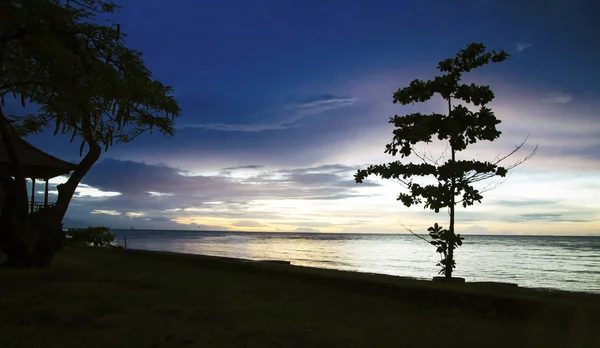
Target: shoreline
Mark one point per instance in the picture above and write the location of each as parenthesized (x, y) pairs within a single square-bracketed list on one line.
[(492, 284), (485, 293), (572, 268), (354, 233)]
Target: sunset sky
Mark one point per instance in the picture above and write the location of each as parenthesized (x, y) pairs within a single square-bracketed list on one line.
[(282, 101)]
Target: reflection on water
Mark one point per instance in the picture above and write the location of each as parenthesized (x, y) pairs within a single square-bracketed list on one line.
[(568, 263)]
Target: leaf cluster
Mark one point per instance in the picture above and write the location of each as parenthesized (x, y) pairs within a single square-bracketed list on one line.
[(444, 240), (79, 72)]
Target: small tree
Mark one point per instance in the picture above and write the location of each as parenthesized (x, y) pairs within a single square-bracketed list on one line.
[(88, 85), (460, 128)]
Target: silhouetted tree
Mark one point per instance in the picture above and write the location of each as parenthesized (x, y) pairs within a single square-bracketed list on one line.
[(87, 84), (460, 128)]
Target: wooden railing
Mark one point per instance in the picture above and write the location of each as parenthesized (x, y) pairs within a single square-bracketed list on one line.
[(40, 205)]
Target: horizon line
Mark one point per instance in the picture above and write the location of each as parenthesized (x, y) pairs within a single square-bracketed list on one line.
[(352, 233)]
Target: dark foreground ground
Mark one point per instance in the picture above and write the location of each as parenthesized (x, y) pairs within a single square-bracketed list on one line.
[(100, 298)]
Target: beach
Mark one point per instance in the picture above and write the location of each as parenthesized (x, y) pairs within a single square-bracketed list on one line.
[(97, 298)]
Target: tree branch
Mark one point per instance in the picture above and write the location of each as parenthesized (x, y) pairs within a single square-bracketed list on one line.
[(515, 150), (416, 235)]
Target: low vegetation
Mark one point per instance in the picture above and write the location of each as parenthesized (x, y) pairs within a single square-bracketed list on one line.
[(98, 236), (103, 297)]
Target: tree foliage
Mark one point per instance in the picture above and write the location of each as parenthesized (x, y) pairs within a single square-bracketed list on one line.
[(79, 72), (98, 236), (67, 58), (459, 128)]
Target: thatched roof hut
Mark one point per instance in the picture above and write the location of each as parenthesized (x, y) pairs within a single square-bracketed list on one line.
[(36, 164)]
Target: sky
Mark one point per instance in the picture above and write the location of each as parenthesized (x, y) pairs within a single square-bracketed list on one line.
[(283, 100)]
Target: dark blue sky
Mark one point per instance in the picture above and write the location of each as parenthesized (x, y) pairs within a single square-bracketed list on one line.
[(292, 85), (257, 52)]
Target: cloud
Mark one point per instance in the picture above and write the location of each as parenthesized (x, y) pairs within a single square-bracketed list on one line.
[(240, 170), (256, 127), (309, 223), (311, 199), (153, 193), (216, 198), (566, 133), (160, 182), (124, 222), (323, 103), (106, 212), (293, 112), (525, 202), (139, 179), (557, 98), (247, 223), (539, 216), (546, 217), (521, 46), (250, 166), (82, 190), (474, 229), (306, 230), (158, 219), (74, 223)]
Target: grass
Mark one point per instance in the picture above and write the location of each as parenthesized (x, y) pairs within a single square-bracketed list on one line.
[(100, 298)]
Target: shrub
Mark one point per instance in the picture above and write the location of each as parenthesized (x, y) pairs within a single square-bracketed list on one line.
[(98, 236)]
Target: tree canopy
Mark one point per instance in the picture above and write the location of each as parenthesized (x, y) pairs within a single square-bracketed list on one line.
[(86, 82), (70, 60)]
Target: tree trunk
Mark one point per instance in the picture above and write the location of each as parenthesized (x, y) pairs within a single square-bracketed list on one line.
[(31, 240), (449, 261), (13, 218), (22, 253), (450, 241), (46, 225), (450, 256), (12, 226), (67, 190)]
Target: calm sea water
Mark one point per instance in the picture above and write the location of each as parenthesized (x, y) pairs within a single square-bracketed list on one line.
[(567, 263)]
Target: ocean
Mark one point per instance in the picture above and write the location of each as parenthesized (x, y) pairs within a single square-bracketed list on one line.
[(565, 263)]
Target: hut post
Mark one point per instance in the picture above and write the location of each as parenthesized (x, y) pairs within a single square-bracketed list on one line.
[(46, 195), (32, 194)]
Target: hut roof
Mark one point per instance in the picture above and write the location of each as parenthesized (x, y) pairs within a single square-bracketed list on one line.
[(36, 163)]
